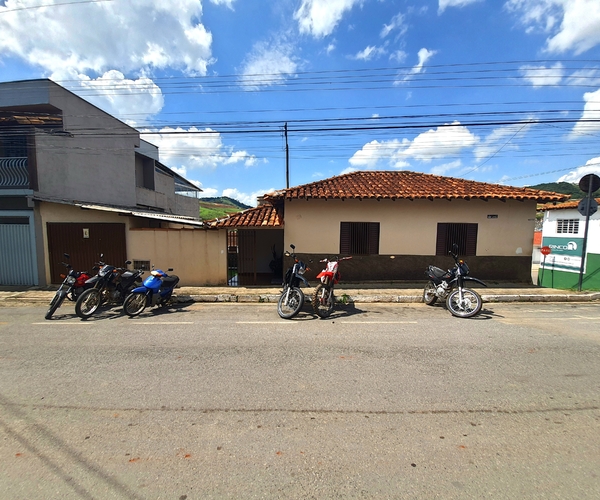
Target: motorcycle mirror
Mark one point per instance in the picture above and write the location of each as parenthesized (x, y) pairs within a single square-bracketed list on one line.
[(293, 247), (170, 269), (67, 255), (127, 262)]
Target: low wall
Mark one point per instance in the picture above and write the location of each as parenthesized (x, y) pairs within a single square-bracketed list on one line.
[(197, 256), (515, 269)]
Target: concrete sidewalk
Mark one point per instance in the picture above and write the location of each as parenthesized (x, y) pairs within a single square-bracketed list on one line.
[(400, 292)]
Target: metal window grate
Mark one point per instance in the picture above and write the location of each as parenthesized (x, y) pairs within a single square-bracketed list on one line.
[(463, 234), (570, 226), (141, 264), (359, 238)]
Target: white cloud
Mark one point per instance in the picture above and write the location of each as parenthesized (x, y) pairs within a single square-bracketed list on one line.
[(585, 77), (370, 52), (194, 148), (246, 198), (396, 24), (444, 4), (572, 25), (92, 38), (424, 56), (320, 17), (132, 101), (591, 111), (501, 138), (227, 3), (398, 56), (540, 76), (208, 192), (442, 142), (446, 167), (268, 64), (591, 167)]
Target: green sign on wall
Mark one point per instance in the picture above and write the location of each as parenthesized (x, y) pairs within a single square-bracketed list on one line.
[(565, 254)]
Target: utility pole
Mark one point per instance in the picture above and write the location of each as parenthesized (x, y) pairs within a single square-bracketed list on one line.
[(287, 160)]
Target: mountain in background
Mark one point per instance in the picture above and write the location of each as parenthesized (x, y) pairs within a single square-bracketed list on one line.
[(563, 188), (219, 207)]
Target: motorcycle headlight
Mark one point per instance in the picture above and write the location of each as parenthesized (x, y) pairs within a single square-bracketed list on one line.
[(71, 280)]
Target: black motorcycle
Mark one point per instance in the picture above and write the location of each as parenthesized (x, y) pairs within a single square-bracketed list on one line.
[(73, 285), (292, 296), (109, 287), (449, 286)]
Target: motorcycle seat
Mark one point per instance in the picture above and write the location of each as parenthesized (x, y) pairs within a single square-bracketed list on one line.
[(437, 272), (170, 281)]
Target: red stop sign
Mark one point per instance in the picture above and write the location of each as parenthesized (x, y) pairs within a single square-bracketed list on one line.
[(545, 250)]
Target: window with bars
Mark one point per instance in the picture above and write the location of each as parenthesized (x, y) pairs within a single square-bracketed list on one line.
[(463, 234), (570, 226), (359, 238)]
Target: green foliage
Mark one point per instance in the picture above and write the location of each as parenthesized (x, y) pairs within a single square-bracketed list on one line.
[(563, 188), (218, 208)]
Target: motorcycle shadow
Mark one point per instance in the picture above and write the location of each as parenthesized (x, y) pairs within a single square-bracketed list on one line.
[(484, 314), (340, 311)]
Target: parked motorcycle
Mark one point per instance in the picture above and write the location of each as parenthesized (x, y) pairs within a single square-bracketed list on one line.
[(156, 290), (324, 298), (292, 296), (73, 285), (449, 286), (110, 286)]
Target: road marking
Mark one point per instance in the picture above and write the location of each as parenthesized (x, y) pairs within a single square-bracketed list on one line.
[(61, 323), (267, 322), (163, 323), (379, 322)]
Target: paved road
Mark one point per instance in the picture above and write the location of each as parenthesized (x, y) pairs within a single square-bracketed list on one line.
[(229, 401)]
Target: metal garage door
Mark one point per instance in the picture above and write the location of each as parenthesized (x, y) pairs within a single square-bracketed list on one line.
[(17, 253)]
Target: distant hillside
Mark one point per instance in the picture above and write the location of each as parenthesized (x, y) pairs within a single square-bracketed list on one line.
[(216, 208), (563, 188)]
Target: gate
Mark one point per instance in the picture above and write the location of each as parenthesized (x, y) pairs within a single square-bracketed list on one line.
[(17, 252), (84, 242)]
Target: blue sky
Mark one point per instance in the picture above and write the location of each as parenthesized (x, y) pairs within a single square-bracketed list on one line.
[(489, 90)]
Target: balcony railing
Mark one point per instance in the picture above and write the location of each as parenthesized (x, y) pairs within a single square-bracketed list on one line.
[(13, 172)]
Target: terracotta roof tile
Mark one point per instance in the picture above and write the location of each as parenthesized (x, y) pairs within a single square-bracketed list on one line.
[(262, 216), (562, 206), (409, 185)]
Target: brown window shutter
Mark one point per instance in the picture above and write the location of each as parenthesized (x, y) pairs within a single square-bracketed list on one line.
[(441, 244), (345, 237), (374, 238), (471, 247)]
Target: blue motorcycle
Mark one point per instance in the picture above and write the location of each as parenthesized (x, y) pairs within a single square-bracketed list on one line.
[(156, 290)]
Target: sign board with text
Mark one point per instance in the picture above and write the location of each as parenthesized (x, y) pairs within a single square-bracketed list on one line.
[(565, 254)]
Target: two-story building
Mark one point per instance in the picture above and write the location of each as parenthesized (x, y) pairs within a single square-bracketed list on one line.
[(75, 179)]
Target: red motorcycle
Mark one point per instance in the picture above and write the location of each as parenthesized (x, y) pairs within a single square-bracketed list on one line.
[(324, 299), (73, 285)]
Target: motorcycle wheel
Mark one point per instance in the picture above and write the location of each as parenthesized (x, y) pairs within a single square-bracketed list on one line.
[(134, 304), (87, 303), (429, 294), (322, 301), (287, 309), (54, 305), (470, 305)]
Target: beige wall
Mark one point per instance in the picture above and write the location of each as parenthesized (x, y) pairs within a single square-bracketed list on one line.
[(409, 228), (197, 256)]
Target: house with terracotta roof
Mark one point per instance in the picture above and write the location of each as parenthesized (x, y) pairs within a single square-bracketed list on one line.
[(563, 234), (395, 223)]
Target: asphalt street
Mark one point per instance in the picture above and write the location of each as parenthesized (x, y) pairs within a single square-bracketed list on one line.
[(228, 400)]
